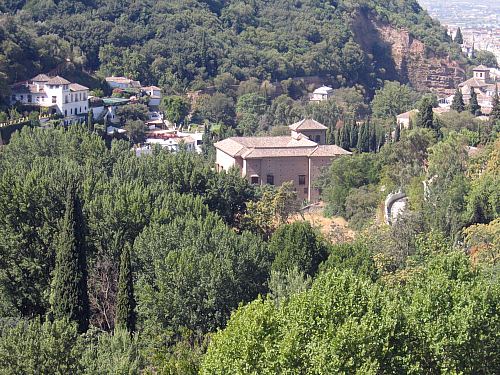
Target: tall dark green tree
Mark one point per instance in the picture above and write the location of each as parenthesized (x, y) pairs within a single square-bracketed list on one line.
[(397, 133), (90, 120), (345, 141), (473, 106), (364, 138), (459, 39), (373, 138), (125, 308), (425, 118), (354, 135), (69, 297), (458, 101), (495, 111), (297, 246)]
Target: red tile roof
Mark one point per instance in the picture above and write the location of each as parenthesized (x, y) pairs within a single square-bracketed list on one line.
[(77, 87), (57, 80), (307, 124)]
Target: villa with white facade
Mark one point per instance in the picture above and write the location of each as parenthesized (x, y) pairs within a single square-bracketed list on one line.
[(56, 94), (321, 93)]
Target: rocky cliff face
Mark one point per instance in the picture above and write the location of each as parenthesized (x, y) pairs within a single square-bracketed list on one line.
[(401, 57)]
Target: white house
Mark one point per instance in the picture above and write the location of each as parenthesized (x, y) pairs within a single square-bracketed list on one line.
[(122, 83), (56, 94), (154, 94), (322, 93), (197, 137), (106, 108), (167, 139)]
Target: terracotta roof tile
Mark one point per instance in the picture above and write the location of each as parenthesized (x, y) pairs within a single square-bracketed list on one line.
[(41, 78), (308, 124), (329, 150), (57, 80), (268, 147), (77, 87)]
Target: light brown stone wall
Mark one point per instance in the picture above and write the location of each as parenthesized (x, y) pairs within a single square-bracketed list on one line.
[(287, 169), (317, 165)]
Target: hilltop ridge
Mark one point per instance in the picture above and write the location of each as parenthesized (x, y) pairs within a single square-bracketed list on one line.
[(188, 43)]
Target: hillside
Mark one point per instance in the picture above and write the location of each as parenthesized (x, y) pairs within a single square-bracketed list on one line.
[(187, 43)]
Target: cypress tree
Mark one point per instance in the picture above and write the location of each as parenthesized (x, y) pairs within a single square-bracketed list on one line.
[(425, 118), (69, 297), (125, 309), (363, 141), (397, 133), (474, 107), (373, 138), (346, 138), (458, 101), (459, 39), (90, 120), (495, 111), (337, 137), (354, 135)]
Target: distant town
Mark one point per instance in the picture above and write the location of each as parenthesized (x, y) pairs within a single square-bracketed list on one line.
[(479, 21)]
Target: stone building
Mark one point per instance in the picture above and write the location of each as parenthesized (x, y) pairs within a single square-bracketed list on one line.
[(299, 157)]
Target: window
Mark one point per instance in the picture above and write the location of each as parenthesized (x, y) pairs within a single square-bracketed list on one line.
[(302, 179), (317, 139), (270, 179), (54, 100), (30, 98), (255, 180), (71, 111), (305, 191), (66, 99), (80, 109), (22, 97), (65, 112)]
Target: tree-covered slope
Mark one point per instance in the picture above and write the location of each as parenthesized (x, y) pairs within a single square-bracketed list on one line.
[(184, 43)]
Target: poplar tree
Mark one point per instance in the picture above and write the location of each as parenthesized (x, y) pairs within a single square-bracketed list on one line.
[(473, 104), (458, 101), (69, 297), (125, 309)]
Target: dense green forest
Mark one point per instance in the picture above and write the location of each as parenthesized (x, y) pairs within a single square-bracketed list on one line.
[(187, 43), (112, 263)]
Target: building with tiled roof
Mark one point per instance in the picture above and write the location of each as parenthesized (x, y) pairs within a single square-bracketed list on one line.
[(275, 160), (321, 93), (56, 94), (122, 83), (483, 85), (154, 94)]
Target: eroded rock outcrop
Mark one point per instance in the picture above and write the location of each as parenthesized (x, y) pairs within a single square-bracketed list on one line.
[(405, 58)]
